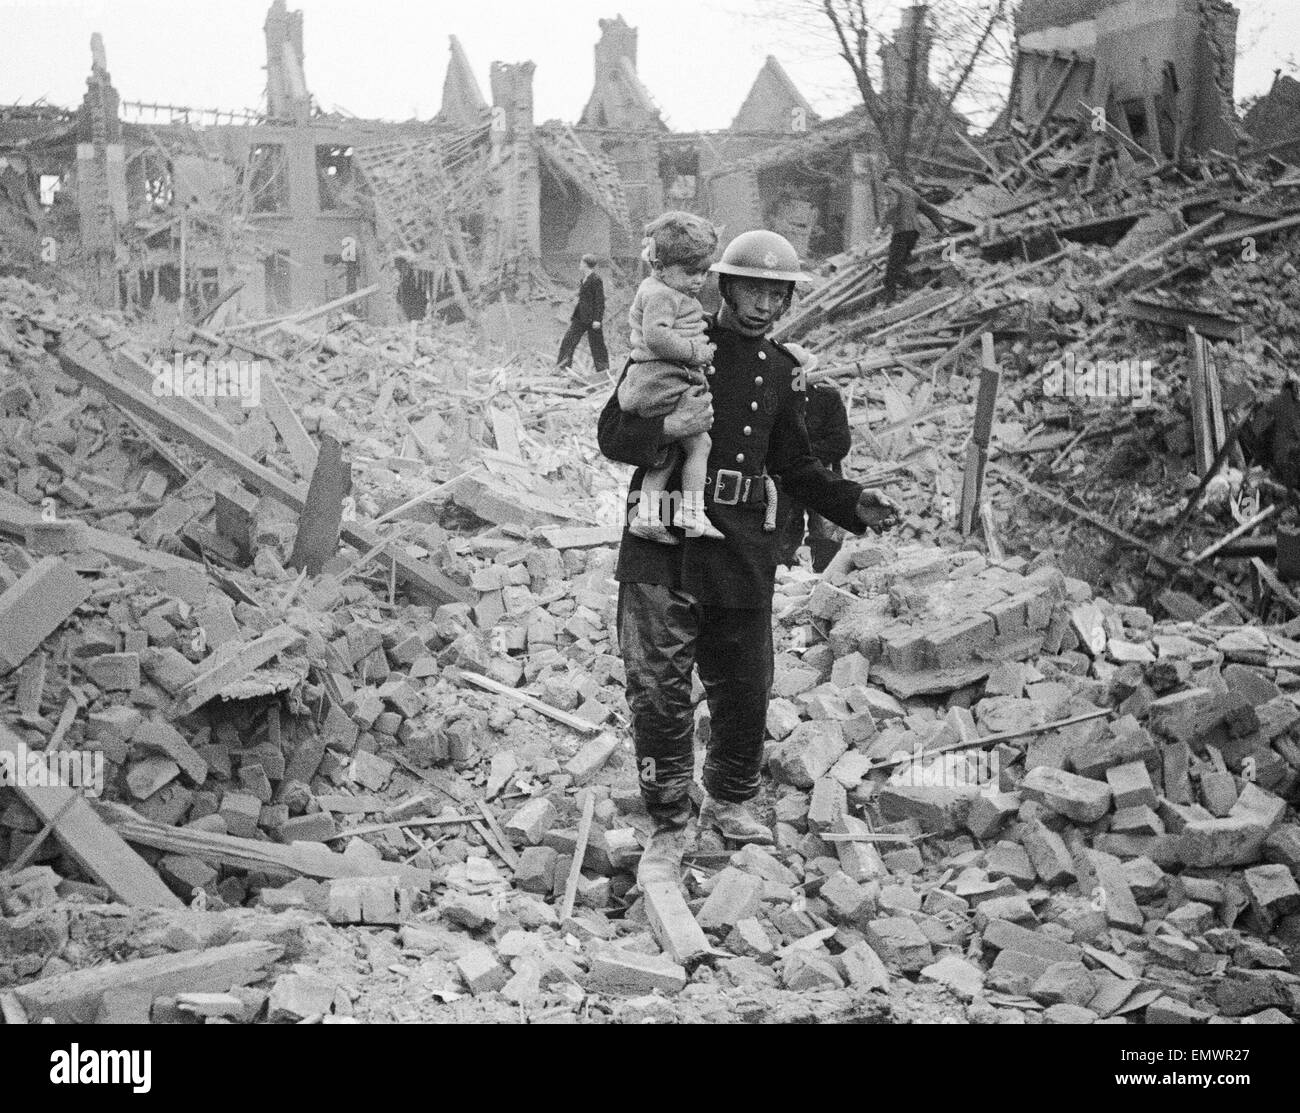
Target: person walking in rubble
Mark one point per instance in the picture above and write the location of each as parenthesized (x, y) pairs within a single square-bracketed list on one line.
[(669, 352), (903, 218), (708, 604), (829, 437), (587, 320)]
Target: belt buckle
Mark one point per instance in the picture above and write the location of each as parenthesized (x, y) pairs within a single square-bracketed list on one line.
[(727, 481)]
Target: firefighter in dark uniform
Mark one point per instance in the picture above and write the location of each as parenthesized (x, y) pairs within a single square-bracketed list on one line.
[(827, 422), (705, 603), (587, 320)]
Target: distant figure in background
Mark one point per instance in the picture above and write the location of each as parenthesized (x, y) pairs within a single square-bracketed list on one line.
[(587, 320), (903, 218), (827, 422)]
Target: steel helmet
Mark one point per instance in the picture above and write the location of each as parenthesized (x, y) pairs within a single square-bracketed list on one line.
[(761, 254)]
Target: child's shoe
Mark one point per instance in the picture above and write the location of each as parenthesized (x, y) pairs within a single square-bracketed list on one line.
[(652, 529), (690, 517)]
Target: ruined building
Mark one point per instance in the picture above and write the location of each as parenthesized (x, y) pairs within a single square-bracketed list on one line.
[(1162, 69)]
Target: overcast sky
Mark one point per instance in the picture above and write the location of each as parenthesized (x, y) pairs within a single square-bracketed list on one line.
[(387, 58)]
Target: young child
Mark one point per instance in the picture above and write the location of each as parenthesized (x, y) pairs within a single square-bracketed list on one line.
[(669, 348)]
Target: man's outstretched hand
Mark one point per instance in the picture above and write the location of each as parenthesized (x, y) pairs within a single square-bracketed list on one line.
[(876, 511)]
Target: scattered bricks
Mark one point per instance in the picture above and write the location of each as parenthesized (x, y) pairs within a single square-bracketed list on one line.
[(863, 968), (312, 827), (807, 754), (790, 682), (1250, 683), (369, 770), (155, 735), (998, 714), (828, 802), (1130, 784), (591, 758), (1003, 935), (1068, 1014), (36, 605), (847, 901), (989, 812), (735, 896), (146, 777), (241, 812), (958, 642), (904, 648), (782, 718), (1146, 880), (470, 912), (1016, 909), (185, 876), (1170, 1010), (807, 971), (254, 781), (1176, 760), (1273, 892), (749, 939), (860, 728), (1016, 972), (673, 925), (1111, 892), (112, 725), (1077, 798), (481, 972), (1010, 616), (1182, 716), (531, 822), (114, 672), (852, 768), (1231, 841), (1068, 983), (1136, 821), (1192, 918), (899, 941), (1011, 861), (934, 807), (1244, 992), (296, 997), (1276, 717), (1283, 847), (53, 538), (623, 972), (1218, 792), (305, 760), (860, 860), (906, 860), (1259, 805), (851, 669), (536, 870)]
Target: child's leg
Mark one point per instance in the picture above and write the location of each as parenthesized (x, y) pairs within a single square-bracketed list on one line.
[(648, 524), (694, 474), (696, 467)]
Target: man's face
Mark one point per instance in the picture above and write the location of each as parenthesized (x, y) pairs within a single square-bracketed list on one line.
[(756, 303)]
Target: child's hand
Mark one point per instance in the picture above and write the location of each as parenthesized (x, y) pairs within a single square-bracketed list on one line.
[(806, 359), (702, 353)]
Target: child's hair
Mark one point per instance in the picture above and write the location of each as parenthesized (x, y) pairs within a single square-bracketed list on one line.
[(679, 237), (591, 261)]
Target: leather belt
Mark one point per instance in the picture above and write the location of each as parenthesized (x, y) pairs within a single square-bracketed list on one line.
[(733, 488)]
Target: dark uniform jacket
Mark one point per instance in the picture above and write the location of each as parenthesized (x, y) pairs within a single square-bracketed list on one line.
[(758, 423), (828, 425), (590, 309)]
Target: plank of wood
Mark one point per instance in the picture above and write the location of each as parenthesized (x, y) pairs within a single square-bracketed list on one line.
[(1245, 527), (571, 721), (1161, 249), (80, 355), (232, 662), (285, 419), (580, 537), (91, 843), (579, 853), (1265, 229), (296, 859), (507, 852), (1279, 589), (74, 997)]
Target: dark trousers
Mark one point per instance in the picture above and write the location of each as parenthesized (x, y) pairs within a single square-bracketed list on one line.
[(823, 539), (662, 633), (569, 345), (901, 244)]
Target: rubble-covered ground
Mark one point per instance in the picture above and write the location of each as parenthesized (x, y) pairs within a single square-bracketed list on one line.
[(338, 820)]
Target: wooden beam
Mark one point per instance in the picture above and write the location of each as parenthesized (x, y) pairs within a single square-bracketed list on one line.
[(579, 853), (1161, 249), (80, 356), (571, 721), (1245, 527), (93, 845)]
